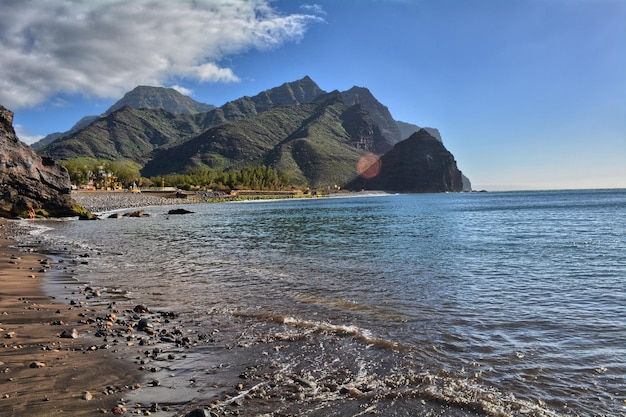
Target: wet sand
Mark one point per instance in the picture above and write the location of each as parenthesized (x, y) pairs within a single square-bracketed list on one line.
[(116, 363), (41, 373)]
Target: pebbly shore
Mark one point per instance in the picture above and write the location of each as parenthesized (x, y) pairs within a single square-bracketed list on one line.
[(102, 202), (49, 361)]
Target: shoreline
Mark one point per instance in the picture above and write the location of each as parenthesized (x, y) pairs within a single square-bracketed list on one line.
[(103, 203), (116, 358), (45, 373)]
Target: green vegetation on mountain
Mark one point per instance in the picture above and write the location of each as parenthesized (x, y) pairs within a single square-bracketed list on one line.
[(126, 134), (248, 178), (315, 144)]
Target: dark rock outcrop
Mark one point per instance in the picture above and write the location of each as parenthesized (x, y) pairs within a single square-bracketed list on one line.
[(419, 164), (29, 184), (179, 211)]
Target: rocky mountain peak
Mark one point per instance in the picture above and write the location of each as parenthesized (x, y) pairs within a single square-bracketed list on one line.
[(149, 97), (379, 112)]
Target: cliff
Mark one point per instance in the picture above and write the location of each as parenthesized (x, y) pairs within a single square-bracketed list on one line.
[(29, 184), (419, 164)]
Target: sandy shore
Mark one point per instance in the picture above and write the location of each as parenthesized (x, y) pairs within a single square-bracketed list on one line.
[(43, 374)]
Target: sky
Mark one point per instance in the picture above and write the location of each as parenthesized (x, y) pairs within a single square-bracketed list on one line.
[(527, 94)]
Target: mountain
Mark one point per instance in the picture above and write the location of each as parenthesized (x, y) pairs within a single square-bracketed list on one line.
[(130, 133), (127, 133), (407, 129), (316, 144), (142, 97), (314, 137), (419, 164), (301, 91), (30, 183), (379, 113), (145, 97)]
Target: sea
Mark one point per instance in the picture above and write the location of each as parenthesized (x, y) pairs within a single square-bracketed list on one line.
[(459, 304)]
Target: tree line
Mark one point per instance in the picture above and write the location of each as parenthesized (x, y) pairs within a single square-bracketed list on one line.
[(126, 173)]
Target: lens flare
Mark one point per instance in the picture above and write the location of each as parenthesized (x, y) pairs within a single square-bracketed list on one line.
[(369, 166)]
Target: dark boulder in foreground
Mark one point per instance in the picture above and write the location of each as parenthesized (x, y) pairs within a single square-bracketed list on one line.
[(29, 184), (419, 164)]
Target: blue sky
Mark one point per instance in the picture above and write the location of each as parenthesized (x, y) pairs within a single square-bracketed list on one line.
[(526, 94)]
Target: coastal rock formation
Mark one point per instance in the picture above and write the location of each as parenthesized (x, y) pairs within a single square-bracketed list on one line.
[(419, 164), (29, 184)]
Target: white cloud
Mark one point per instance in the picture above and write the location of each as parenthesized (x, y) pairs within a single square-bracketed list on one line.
[(313, 8), (182, 90), (24, 136), (102, 48)]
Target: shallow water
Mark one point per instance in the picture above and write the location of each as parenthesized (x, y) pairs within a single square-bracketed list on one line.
[(498, 304)]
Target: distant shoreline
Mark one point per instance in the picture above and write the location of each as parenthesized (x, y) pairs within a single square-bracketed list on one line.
[(102, 202)]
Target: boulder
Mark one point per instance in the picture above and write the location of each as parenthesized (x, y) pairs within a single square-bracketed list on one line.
[(69, 334), (29, 184), (138, 213), (179, 211)]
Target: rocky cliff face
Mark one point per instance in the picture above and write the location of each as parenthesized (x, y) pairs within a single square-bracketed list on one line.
[(419, 164), (29, 183), (378, 112)]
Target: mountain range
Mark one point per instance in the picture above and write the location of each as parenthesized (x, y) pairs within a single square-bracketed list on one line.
[(314, 137)]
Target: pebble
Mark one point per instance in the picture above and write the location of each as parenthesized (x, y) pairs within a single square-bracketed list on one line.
[(118, 410), (37, 365), (143, 324), (305, 382), (87, 396), (140, 308), (69, 334), (351, 391)]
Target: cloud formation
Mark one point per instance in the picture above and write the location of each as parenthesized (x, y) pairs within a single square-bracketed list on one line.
[(24, 135), (102, 48)]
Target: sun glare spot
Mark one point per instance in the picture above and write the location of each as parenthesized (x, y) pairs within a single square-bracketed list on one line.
[(369, 166)]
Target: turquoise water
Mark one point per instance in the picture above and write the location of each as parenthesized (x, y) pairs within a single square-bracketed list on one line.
[(453, 304)]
